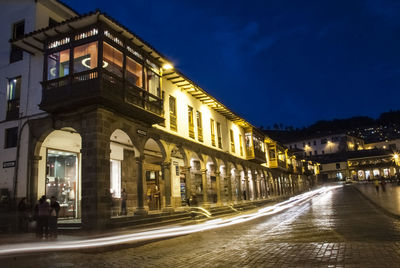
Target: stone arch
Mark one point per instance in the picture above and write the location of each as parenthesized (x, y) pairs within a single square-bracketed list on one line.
[(180, 176), (154, 155), (123, 176)]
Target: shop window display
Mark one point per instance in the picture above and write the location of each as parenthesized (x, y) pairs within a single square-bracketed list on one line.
[(62, 181)]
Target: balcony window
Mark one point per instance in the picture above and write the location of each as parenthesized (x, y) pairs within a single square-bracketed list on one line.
[(152, 83), (232, 138), (219, 135), (172, 113), (134, 72), (212, 128), (112, 60), (58, 64), (85, 57), (18, 31)]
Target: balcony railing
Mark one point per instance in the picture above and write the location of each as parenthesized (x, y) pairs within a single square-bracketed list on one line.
[(98, 86)]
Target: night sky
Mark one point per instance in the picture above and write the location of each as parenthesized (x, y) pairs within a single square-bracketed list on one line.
[(291, 62)]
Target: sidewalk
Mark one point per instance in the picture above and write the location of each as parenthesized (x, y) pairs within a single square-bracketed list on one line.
[(388, 200)]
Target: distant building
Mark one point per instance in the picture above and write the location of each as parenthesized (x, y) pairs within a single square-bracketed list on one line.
[(326, 144)]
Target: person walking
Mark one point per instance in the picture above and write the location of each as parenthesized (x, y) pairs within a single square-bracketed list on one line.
[(55, 208), (376, 183), (383, 184), (43, 211)]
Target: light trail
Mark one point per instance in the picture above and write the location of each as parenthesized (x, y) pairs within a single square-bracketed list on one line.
[(35, 247)]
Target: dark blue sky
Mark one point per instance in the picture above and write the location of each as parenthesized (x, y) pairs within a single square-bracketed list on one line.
[(291, 62)]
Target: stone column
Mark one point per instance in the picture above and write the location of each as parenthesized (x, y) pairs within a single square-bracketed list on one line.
[(246, 181), (218, 183), (96, 197), (255, 185), (238, 179), (32, 195), (166, 177), (189, 183), (229, 181), (205, 188), (140, 210)]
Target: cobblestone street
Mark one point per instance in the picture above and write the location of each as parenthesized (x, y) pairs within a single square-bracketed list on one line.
[(338, 229)]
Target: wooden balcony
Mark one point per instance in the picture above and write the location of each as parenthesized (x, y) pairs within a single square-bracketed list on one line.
[(100, 87)]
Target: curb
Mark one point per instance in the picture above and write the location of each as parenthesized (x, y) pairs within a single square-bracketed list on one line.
[(378, 206)]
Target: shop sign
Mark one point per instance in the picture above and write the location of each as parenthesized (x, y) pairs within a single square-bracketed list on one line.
[(8, 164), (142, 132)]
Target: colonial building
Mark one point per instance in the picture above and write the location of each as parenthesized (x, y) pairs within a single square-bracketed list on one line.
[(94, 115)]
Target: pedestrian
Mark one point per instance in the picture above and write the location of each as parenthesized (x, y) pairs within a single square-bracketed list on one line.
[(55, 208), (124, 197), (23, 215), (376, 183), (43, 213), (383, 184)]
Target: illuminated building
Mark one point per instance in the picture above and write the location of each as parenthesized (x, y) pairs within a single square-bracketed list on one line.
[(103, 116)]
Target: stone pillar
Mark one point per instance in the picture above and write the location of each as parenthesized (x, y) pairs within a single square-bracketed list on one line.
[(238, 179), (166, 177), (33, 182), (255, 183), (229, 181), (218, 183), (128, 178), (96, 197), (205, 186), (246, 181), (189, 183), (140, 210)]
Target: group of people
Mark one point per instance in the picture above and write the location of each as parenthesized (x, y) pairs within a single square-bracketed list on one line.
[(382, 183), (45, 214)]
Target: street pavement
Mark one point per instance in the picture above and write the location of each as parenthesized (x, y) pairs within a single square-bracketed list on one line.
[(340, 228)]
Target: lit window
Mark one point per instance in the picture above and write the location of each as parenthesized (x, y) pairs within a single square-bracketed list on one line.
[(152, 82), (112, 59), (212, 129), (241, 144), (134, 72), (191, 122), (232, 140), (219, 135), (115, 178), (85, 57), (13, 96), (58, 64), (172, 114), (199, 127)]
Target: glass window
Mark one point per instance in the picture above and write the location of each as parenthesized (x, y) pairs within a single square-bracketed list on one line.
[(14, 88), (62, 181), (191, 122), (219, 135), (199, 127), (115, 178), (17, 32), (172, 114), (11, 137), (134, 72), (152, 83), (13, 96), (58, 64), (212, 128), (85, 57), (232, 139), (113, 59)]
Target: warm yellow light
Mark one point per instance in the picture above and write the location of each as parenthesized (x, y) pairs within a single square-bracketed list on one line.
[(396, 156), (167, 66)]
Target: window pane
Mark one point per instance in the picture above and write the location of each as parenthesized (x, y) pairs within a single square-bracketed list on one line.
[(14, 88), (134, 72), (85, 57), (58, 64), (153, 83), (112, 59), (115, 178), (11, 137)]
